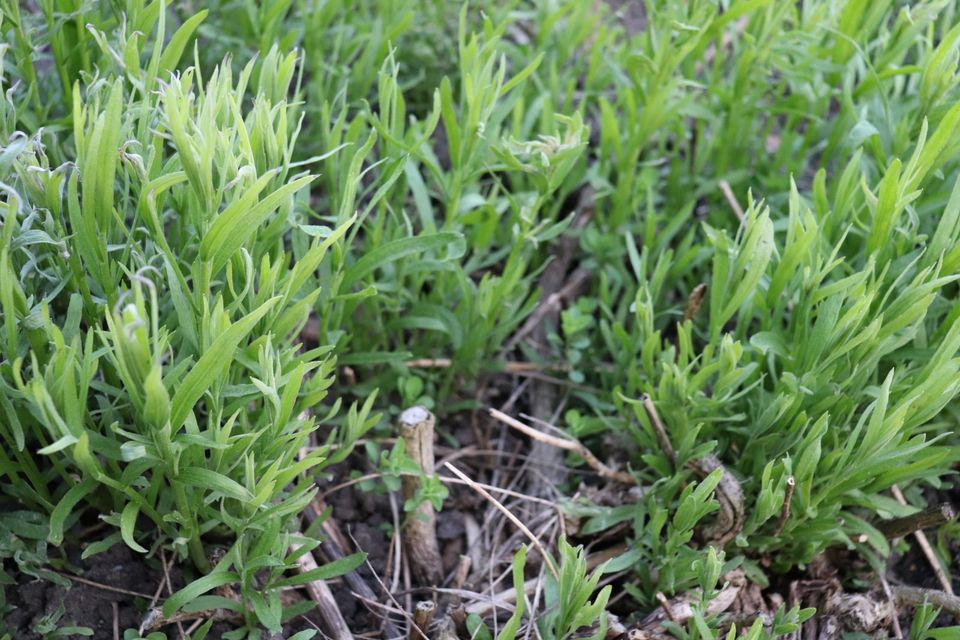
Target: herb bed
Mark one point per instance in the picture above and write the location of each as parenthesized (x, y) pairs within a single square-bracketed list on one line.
[(644, 310)]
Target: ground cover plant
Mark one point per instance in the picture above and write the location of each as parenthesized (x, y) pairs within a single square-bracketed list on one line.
[(537, 319)]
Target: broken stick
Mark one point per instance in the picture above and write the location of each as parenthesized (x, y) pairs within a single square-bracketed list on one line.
[(420, 531), (926, 519), (422, 617), (336, 626)]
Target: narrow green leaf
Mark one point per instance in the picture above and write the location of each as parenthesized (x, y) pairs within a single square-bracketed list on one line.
[(401, 248), (330, 570), (128, 524), (239, 222), (63, 509), (175, 47), (207, 479), (197, 588), (214, 362)]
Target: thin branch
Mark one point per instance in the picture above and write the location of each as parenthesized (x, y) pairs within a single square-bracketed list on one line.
[(166, 575), (429, 363), (321, 594), (105, 587), (506, 492), (552, 303), (926, 519), (156, 595), (397, 607), (659, 430), (517, 367), (667, 609), (199, 621), (785, 511), (947, 513), (155, 620), (897, 631), (332, 550), (566, 443), (445, 480), (916, 596)]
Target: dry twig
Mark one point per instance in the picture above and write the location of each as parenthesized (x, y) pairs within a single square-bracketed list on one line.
[(897, 631), (679, 609), (659, 431), (332, 549), (397, 608), (166, 576), (915, 523), (924, 544), (155, 620), (566, 443), (785, 510), (320, 593), (105, 587), (915, 596), (551, 303), (667, 609)]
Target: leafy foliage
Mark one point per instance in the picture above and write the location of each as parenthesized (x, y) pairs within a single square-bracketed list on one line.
[(398, 175)]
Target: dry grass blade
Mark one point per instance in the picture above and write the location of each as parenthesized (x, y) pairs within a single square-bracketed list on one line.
[(732, 200), (694, 301), (551, 565)]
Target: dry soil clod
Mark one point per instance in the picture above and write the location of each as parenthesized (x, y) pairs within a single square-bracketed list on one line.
[(416, 427)]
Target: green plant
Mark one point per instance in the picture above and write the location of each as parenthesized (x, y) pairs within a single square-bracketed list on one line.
[(568, 597), (152, 365), (23, 539), (568, 607), (923, 620), (48, 627), (763, 196)]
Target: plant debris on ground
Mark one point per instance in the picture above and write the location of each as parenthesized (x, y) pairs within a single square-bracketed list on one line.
[(539, 319)]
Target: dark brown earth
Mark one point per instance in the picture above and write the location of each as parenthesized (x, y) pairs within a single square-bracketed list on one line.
[(366, 520), (85, 605), (92, 606)]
